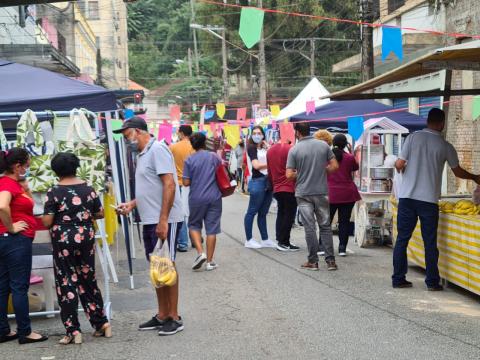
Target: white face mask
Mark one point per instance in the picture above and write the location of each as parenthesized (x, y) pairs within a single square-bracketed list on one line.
[(257, 138)]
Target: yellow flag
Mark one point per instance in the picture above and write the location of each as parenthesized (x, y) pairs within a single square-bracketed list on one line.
[(245, 131), (220, 110), (208, 130), (275, 110), (232, 134)]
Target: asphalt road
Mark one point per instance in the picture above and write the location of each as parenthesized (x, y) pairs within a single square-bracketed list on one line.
[(259, 304)]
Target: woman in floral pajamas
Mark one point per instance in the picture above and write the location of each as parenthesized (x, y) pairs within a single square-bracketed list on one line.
[(70, 208)]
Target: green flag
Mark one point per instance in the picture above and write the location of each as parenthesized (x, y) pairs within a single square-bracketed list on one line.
[(251, 23)]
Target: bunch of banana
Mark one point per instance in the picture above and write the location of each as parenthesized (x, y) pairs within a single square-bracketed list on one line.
[(446, 207), (162, 271), (466, 207)]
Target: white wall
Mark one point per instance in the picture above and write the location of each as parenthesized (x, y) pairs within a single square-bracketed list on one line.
[(10, 30)]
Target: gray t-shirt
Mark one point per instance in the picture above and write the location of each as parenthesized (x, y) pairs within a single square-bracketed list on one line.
[(156, 159), (310, 158), (425, 152)]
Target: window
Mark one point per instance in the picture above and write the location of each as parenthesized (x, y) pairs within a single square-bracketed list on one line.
[(93, 10), (394, 5)]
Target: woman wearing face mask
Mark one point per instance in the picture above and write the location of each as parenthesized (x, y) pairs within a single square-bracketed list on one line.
[(17, 225), (260, 190)]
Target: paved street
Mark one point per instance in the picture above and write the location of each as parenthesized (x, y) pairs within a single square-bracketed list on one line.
[(260, 305)]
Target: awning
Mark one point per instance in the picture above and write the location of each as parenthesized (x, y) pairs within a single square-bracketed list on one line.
[(459, 57)]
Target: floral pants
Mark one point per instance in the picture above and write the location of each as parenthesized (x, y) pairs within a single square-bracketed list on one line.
[(74, 265)]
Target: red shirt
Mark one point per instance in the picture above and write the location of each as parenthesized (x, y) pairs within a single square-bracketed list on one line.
[(341, 188), (21, 206), (277, 165)]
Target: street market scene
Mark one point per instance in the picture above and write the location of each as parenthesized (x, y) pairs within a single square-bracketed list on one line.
[(248, 179)]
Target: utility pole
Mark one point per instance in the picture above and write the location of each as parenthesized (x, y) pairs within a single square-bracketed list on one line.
[(312, 58), (367, 68), (250, 80), (224, 66), (262, 72), (189, 57), (195, 48)]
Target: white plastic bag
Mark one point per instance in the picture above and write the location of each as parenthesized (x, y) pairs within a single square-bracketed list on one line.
[(162, 269)]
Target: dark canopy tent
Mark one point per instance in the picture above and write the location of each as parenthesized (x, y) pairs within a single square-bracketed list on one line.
[(335, 113), (25, 87)]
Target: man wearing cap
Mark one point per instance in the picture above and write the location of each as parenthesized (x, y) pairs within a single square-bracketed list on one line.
[(159, 204)]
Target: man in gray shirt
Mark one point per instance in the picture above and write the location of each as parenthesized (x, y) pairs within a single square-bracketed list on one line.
[(422, 161), (309, 162), (159, 204)]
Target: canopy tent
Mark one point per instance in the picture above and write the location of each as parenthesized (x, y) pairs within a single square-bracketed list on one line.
[(335, 114), (313, 91), (25, 87)]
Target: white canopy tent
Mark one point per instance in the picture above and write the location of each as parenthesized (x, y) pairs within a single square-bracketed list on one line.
[(313, 91)]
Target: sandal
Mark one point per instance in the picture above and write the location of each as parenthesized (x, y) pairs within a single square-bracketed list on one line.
[(8, 337), (105, 331), (68, 339)]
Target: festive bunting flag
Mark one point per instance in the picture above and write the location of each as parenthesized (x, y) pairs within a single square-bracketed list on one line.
[(241, 114), (245, 132), (310, 106), (116, 124), (175, 113), (128, 113), (392, 41), (208, 130), (165, 132), (287, 133), (195, 127), (251, 24), (274, 125), (202, 118), (220, 110), (476, 108), (209, 114), (275, 110), (213, 128), (232, 134), (355, 127)]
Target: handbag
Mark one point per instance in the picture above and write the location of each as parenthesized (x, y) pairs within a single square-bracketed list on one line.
[(225, 181), (92, 155), (30, 137)]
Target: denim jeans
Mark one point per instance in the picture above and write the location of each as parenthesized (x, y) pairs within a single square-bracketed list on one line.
[(183, 236), (260, 200), (409, 211), (15, 269)]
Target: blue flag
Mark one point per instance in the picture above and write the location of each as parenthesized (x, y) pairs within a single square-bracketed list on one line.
[(355, 127), (209, 114), (392, 41), (128, 113)]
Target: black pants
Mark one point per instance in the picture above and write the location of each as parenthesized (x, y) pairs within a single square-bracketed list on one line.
[(240, 180), (344, 214), (287, 209)]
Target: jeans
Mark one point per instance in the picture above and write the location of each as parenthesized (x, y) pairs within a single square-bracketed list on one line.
[(183, 236), (409, 211), (315, 209), (259, 204), (287, 209), (344, 214), (15, 269)]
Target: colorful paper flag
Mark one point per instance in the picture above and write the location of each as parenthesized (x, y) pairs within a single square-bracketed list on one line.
[(232, 134), (220, 110), (392, 42), (213, 128), (175, 113), (355, 127), (475, 108), (275, 110), (241, 115), (310, 107), (287, 133), (128, 113), (116, 124), (165, 132), (274, 125), (209, 114), (202, 118), (195, 127), (251, 24), (208, 130)]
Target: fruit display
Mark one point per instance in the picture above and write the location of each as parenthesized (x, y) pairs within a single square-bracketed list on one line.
[(461, 207), (162, 271)]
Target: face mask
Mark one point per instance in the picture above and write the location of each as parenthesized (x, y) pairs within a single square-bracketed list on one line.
[(257, 138), (26, 174), (132, 144)]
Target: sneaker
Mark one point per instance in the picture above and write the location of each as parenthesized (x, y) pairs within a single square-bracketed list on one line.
[(402, 285), (153, 324), (252, 244), (281, 247), (269, 243), (310, 266), (197, 264), (171, 327), (321, 253), (182, 249), (212, 265), (331, 265), (435, 288), (342, 253), (292, 247)]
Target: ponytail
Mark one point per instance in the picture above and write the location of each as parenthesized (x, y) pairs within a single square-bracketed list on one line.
[(339, 144), (9, 158)]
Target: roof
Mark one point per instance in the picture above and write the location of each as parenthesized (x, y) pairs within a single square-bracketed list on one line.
[(459, 57), (132, 85), (313, 91)]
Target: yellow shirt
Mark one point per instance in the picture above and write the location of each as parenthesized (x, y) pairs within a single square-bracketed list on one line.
[(181, 151)]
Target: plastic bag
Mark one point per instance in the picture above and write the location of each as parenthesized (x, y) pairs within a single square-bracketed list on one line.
[(162, 269), (476, 196)]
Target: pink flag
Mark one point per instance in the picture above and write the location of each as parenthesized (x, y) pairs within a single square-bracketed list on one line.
[(287, 134), (220, 128), (310, 105), (213, 128), (165, 132), (241, 115), (175, 113), (274, 125)]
